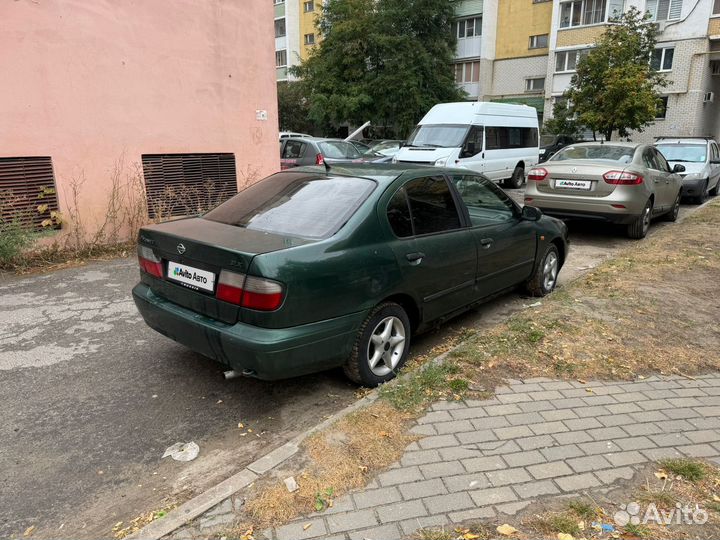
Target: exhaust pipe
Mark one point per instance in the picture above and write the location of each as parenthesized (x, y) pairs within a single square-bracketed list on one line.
[(232, 374)]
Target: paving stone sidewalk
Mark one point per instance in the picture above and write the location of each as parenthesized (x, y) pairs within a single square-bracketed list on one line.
[(536, 438)]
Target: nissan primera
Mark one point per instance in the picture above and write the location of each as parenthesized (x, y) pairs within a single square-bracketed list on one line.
[(312, 269)]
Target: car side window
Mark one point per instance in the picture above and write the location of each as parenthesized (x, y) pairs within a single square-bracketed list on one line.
[(398, 214), (432, 205), (648, 160), (661, 161), (293, 150), (486, 203), (715, 151)]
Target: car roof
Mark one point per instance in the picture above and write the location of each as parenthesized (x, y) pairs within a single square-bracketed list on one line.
[(383, 173), (628, 144), (683, 140)]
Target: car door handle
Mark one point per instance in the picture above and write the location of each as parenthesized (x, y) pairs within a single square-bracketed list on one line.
[(415, 257), (486, 242)]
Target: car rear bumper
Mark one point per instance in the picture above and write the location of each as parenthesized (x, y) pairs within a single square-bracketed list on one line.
[(264, 353), (601, 209)]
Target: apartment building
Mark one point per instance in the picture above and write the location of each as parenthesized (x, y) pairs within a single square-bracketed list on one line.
[(526, 51), (295, 33), (688, 41)]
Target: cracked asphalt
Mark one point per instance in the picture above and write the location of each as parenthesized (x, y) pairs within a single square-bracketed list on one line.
[(91, 398)]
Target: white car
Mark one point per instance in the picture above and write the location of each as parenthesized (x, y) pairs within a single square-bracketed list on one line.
[(701, 158)]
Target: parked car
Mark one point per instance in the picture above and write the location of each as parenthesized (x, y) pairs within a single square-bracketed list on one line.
[(295, 152), (288, 134), (498, 140), (618, 182), (311, 269), (549, 145), (387, 148), (700, 157)]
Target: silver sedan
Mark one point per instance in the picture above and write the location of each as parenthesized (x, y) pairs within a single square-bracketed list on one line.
[(616, 182)]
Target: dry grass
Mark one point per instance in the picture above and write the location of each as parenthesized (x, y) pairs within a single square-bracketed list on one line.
[(653, 308), (341, 458)]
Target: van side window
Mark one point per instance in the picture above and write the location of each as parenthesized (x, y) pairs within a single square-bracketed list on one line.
[(500, 138), (473, 142)]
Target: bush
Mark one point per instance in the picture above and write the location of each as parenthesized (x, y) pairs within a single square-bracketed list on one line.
[(14, 239)]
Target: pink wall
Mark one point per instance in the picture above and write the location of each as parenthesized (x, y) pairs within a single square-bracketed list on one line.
[(86, 81)]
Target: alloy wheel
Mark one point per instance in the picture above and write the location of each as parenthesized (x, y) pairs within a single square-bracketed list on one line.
[(386, 346), (550, 271)]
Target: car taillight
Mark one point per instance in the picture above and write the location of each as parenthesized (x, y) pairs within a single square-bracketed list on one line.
[(149, 262), (319, 159), (230, 287), (249, 291), (622, 178), (262, 294), (537, 175)]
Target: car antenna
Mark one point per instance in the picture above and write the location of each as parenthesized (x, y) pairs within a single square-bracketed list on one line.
[(327, 167)]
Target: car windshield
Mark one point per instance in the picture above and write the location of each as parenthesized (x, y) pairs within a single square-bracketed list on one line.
[(438, 136), (691, 153), (608, 152), (338, 150), (292, 204)]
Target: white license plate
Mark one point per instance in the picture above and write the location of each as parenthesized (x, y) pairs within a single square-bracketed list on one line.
[(573, 184), (192, 277)]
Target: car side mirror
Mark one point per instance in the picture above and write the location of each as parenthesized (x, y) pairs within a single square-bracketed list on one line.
[(678, 168), (531, 213)]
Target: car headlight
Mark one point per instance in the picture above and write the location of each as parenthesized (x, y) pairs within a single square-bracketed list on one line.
[(441, 162), (542, 151), (693, 176)]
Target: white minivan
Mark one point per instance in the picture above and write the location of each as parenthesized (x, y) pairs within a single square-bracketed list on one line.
[(497, 139)]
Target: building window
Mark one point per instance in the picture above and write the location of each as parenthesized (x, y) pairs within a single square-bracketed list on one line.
[(281, 58), (467, 72), (538, 42), (568, 60), (309, 6), (27, 192), (584, 12), (280, 28), (466, 28), (665, 10), (716, 7), (662, 59), (535, 85), (276, 2), (309, 39), (661, 109)]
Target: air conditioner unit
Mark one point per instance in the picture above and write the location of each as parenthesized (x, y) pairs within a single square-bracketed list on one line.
[(709, 97)]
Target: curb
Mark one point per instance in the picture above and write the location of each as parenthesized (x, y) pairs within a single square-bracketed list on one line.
[(213, 496)]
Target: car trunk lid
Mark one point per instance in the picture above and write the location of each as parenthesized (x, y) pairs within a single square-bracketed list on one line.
[(194, 251), (578, 178)]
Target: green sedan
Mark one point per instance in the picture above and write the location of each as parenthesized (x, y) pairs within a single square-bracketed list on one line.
[(319, 268)]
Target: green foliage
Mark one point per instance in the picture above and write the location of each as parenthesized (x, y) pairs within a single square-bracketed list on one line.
[(690, 470), (615, 87), (387, 61), (323, 499), (293, 107), (424, 385), (563, 121), (14, 239)]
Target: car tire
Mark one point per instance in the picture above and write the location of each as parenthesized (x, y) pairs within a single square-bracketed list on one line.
[(672, 215), (517, 178), (714, 191), (381, 346), (544, 279), (699, 199), (639, 228)]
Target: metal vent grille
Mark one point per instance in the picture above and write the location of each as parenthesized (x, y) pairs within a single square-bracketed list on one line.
[(27, 183), (187, 184)]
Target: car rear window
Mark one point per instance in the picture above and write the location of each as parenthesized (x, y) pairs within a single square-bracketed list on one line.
[(609, 152), (338, 150), (293, 204)]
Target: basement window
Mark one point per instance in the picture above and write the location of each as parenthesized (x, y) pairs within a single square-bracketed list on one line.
[(27, 191), (187, 184)]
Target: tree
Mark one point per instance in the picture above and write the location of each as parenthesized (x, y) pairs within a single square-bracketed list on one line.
[(387, 61), (293, 107), (563, 121), (615, 86)]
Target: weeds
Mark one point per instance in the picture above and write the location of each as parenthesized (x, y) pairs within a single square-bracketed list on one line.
[(583, 509), (690, 470), (423, 386), (639, 531)]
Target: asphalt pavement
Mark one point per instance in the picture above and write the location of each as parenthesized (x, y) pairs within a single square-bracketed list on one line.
[(91, 398)]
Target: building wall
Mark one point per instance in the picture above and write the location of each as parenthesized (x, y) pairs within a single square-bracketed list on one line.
[(714, 26), (307, 26), (509, 75), (517, 20), (94, 82), (579, 36)]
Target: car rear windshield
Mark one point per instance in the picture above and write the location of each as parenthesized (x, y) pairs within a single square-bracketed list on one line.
[(293, 204), (438, 136), (691, 153), (338, 150), (608, 152)]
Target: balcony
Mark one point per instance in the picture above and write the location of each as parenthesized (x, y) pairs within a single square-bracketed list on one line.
[(472, 89), (281, 43), (469, 47)]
